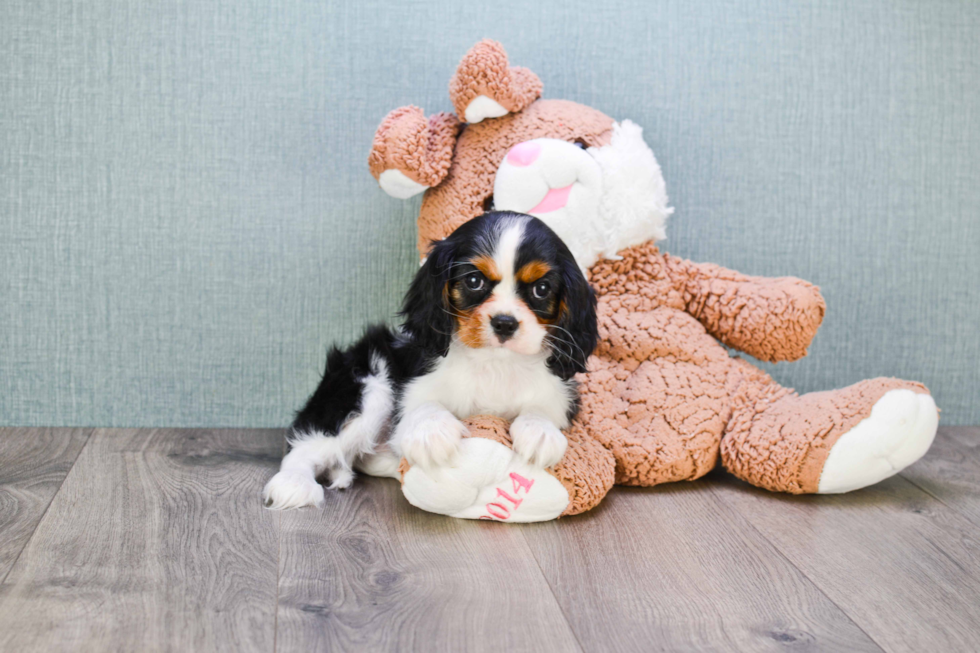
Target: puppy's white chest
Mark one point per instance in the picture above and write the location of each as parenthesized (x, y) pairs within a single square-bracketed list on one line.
[(491, 381)]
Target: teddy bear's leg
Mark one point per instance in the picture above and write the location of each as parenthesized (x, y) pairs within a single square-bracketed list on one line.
[(826, 442), (656, 395), (487, 480), (662, 419), (587, 471)]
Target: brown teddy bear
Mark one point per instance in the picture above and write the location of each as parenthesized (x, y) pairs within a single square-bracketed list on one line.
[(662, 399)]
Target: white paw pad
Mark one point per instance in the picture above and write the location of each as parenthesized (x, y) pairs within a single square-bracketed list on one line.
[(898, 432), (482, 107), (486, 481), (288, 490), (537, 440), (429, 436), (398, 185), (341, 478)]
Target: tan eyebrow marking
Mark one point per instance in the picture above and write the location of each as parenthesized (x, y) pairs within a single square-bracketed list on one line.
[(487, 266), (533, 271)]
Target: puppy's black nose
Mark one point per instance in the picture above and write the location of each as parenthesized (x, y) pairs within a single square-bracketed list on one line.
[(504, 326)]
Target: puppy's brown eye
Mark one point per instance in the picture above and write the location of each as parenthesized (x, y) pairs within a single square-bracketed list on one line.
[(541, 289), (474, 282)]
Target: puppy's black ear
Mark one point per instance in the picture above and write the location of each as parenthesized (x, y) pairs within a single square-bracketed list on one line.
[(577, 328), (428, 316)]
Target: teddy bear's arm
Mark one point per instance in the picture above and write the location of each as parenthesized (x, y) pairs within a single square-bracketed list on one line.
[(772, 319)]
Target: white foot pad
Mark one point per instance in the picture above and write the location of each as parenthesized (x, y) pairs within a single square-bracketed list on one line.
[(288, 490), (482, 107), (398, 185), (486, 481), (898, 432)]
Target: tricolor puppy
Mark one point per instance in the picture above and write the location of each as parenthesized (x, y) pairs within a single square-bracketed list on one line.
[(497, 321)]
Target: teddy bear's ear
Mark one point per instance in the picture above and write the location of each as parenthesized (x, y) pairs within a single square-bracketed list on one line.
[(485, 86), (410, 153)]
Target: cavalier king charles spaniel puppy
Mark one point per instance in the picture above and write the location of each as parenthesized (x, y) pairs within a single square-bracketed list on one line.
[(498, 320)]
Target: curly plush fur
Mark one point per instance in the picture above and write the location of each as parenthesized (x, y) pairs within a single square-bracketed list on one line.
[(662, 399)]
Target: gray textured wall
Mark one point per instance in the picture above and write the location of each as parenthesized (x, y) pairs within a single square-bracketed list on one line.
[(186, 217)]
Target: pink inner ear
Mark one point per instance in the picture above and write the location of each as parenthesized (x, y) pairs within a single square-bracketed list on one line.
[(523, 154), (554, 200)]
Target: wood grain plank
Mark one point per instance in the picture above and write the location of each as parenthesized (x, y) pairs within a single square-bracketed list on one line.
[(33, 464), (674, 569), (951, 470), (156, 541), (902, 565), (370, 572)]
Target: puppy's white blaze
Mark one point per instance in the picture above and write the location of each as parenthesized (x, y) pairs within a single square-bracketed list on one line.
[(505, 256), (313, 453), (504, 298)]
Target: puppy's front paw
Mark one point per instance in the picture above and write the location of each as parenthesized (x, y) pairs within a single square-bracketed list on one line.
[(288, 490), (537, 440), (429, 436)]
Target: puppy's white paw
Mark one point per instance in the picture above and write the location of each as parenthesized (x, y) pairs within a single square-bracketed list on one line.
[(341, 478), (537, 440), (288, 490), (429, 436)]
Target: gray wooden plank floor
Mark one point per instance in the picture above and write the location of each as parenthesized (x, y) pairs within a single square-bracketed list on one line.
[(155, 539), (33, 464)]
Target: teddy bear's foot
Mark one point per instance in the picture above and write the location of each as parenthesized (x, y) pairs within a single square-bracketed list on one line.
[(898, 432), (487, 480), (827, 442)]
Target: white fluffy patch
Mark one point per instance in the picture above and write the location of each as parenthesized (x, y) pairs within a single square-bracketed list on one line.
[(487, 481), (482, 107), (898, 432), (491, 381), (537, 440), (395, 183), (383, 463), (312, 454), (428, 435), (485, 381), (505, 254), (633, 207)]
